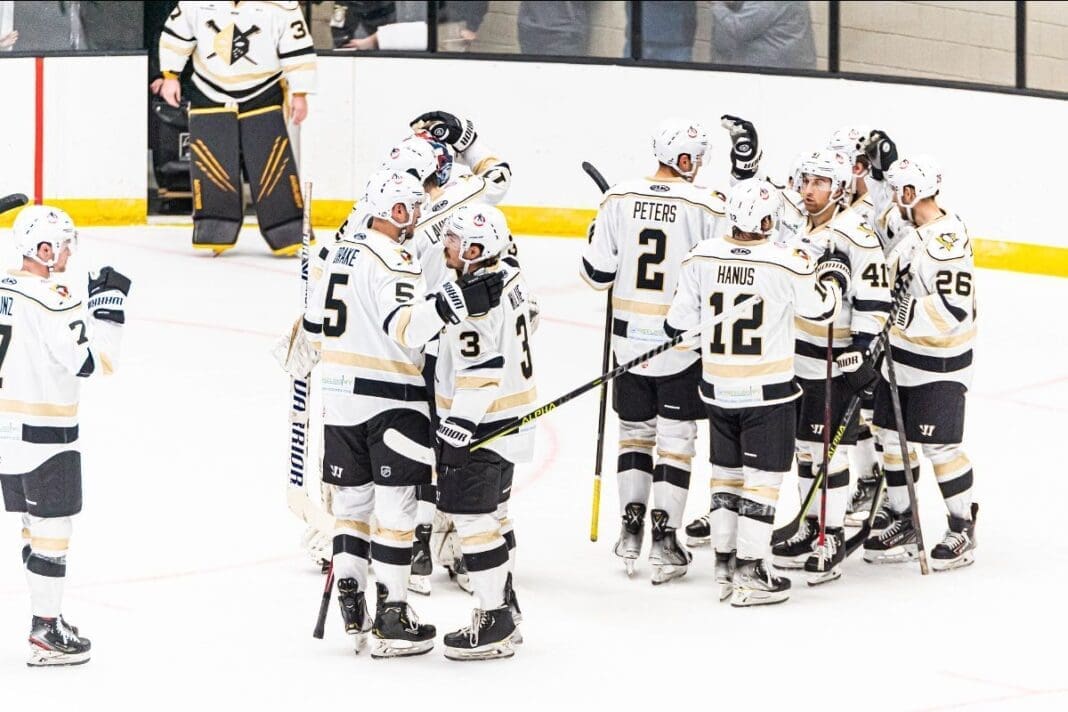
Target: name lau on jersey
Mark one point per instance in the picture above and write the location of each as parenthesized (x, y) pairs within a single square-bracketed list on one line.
[(657, 212), (726, 274)]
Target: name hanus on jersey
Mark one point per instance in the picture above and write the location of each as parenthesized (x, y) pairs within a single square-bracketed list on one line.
[(7, 305), (735, 275), (657, 212), (346, 256)]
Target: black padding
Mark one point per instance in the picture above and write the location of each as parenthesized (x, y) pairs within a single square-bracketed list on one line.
[(215, 168), (486, 560), (53, 489), (395, 555), (272, 176)]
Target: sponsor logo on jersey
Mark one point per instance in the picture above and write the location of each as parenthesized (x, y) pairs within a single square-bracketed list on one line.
[(385, 471), (927, 430), (9, 280), (741, 251), (440, 205), (659, 188)]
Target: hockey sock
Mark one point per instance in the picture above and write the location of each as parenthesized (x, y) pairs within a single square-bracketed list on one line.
[(756, 512), (862, 456), (352, 550), (46, 566), (953, 470), (485, 557), (726, 491), (635, 463), (391, 541), (806, 481), (837, 497), (675, 440), (428, 504)]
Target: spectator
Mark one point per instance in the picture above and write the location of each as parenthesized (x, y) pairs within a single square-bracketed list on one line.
[(8, 35), (553, 28), (44, 26), (763, 34), (668, 29), (458, 24), (355, 21)]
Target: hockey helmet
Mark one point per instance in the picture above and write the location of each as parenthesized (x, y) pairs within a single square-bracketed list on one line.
[(920, 172), (40, 224), (849, 140), (442, 156), (412, 155), (676, 137), (750, 202), (478, 224), (386, 189), (826, 163)]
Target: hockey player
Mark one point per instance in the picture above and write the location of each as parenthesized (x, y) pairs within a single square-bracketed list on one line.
[(485, 377), (246, 57), (826, 179), (931, 346), (49, 341), (372, 315), (643, 231), (748, 384)]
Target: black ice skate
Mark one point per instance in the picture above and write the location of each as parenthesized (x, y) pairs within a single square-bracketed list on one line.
[(861, 503), (397, 631), (458, 573), (883, 517), (422, 563), (794, 552), (54, 642), (895, 543), (725, 565), (354, 611), (754, 585), (667, 557), (699, 531), (956, 550), (512, 602), (629, 545), (488, 637), (825, 561)]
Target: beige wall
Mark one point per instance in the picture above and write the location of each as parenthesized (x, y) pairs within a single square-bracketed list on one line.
[(1047, 45)]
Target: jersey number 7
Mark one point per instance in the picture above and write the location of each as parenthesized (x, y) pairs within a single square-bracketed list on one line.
[(5, 341)]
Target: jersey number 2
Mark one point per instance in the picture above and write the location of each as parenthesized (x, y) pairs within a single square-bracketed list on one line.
[(739, 344), (654, 281)]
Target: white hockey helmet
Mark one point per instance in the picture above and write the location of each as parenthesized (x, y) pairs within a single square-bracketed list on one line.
[(750, 202), (676, 137), (825, 163), (442, 156), (795, 173), (479, 224), (849, 140), (39, 224), (412, 155), (920, 172), (386, 189)]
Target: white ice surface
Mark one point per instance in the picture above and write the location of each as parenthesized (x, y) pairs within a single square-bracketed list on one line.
[(186, 573)]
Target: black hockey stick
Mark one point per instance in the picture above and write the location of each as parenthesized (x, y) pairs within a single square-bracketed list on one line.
[(595, 514), (324, 606), (10, 202)]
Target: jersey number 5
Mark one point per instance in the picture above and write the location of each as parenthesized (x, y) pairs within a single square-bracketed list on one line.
[(336, 327), (740, 345), (654, 281)]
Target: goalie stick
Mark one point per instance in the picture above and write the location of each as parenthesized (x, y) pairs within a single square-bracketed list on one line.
[(10, 202), (595, 514), (403, 445)]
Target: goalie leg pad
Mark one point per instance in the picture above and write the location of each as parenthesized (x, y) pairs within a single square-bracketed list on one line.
[(215, 168), (272, 176)]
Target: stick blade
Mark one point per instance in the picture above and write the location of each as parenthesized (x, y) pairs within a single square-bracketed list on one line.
[(401, 444), (10, 202)]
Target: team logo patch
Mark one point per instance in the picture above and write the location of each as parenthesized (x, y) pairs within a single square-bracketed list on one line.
[(441, 205), (395, 153), (385, 471), (947, 240), (406, 256), (60, 290), (659, 188), (479, 220), (231, 43), (740, 251), (9, 280)]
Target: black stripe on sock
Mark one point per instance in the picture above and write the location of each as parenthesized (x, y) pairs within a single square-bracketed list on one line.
[(509, 540), (46, 567), (675, 476), (641, 461), (724, 500), (838, 479), (349, 544), (486, 560), (896, 478), (749, 509), (956, 485), (395, 555)]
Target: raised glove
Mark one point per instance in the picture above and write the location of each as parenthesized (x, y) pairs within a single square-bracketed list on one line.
[(834, 265), (452, 445), (881, 152), (447, 128), (745, 148), (107, 295), (470, 295)]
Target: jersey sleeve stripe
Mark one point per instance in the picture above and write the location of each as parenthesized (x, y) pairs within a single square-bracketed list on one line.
[(297, 52), (597, 276), (871, 305), (47, 409)]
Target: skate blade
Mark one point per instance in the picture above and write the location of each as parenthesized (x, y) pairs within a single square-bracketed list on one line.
[(786, 562), (665, 572), (517, 636), (896, 555), (419, 584), (698, 540), (745, 597), (965, 559), (821, 577), (493, 651), (39, 657), (382, 648)]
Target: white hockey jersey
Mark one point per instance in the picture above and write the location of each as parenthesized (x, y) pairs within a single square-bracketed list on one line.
[(485, 369), (867, 305), (48, 343), (371, 317), (937, 345), (644, 230), (748, 360), (239, 49)]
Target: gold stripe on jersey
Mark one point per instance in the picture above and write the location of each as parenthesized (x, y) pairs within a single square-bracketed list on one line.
[(957, 464), (482, 539), (507, 402), (46, 409), (403, 319), (306, 67), (105, 362), (177, 49), (344, 358), (935, 342), (936, 318), (730, 484), (660, 196), (640, 444), (25, 533), (820, 329), (42, 543), (476, 382), (620, 304), (354, 525), (741, 371)]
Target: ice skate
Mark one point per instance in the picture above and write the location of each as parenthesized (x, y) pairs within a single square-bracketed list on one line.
[(422, 564), (54, 642), (754, 585), (487, 638), (825, 562), (957, 549), (725, 565), (629, 545), (353, 605), (699, 531), (512, 602), (863, 496), (895, 543), (397, 631), (794, 552), (668, 559), (458, 574)]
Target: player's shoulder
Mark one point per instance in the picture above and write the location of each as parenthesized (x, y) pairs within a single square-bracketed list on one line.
[(392, 256), (946, 239), (457, 191), (46, 293), (851, 225), (653, 189), (765, 253)]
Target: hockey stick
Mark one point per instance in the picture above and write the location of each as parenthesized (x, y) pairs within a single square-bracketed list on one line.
[(403, 445), (828, 384), (324, 606), (10, 202), (895, 400), (595, 514)]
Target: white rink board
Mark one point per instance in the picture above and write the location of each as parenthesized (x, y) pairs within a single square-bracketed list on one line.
[(16, 125), (185, 570)]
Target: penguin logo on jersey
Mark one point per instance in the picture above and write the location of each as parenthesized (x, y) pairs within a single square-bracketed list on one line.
[(231, 43), (947, 240)]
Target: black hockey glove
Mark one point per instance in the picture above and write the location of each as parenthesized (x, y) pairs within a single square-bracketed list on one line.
[(881, 152), (745, 148), (834, 265), (447, 128), (470, 295), (860, 375), (452, 444), (107, 295)]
